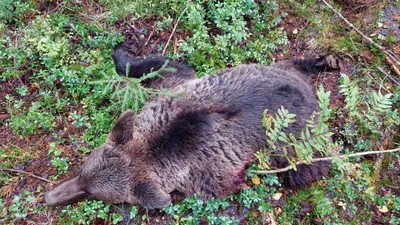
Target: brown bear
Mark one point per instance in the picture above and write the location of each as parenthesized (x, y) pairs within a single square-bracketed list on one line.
[(199, 141)]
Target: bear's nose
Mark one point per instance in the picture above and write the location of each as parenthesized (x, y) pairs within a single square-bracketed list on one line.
[(47, 199)]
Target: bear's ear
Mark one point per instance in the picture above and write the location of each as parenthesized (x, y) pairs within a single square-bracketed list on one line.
[(150, 195), (123, 128)]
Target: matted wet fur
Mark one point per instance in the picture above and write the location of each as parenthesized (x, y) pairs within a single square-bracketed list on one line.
[(199, 142)]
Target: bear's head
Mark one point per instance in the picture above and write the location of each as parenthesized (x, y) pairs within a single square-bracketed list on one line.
[(111, 174)]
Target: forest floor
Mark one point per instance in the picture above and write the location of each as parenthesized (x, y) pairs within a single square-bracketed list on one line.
[(307, 35)]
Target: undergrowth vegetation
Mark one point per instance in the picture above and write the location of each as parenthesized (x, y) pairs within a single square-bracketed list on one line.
[(62, 94), (222, 37)]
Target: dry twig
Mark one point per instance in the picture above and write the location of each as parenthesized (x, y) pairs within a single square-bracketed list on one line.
[(27, 173), (389, 54), (175, 44), (389, 76), (148, 38), (394, 67), (324, 159), (173, 31)]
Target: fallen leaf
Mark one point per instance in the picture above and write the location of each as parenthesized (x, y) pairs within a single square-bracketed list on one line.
[(341, 204), (383, 209), (278, 211), (272, 220), (277, 196), (255, 180), (7, 189)]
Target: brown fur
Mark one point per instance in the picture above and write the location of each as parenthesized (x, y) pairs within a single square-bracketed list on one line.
[(199, 142)]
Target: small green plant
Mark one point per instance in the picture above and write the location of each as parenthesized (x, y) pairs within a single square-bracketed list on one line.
[(13, 155), (20, 206), (369, 112), (13, 105), (322, 206), (191, 210), (199, 209), (257, 196), (58, 162), (165, 24), (87, 211), (22, 91), (133, 212), (14, 11), (221, 36), (78, 120), (36, 119), (394, 204)]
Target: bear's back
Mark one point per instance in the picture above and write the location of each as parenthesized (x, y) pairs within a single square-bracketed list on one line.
[(214, 126), (253, 89)]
